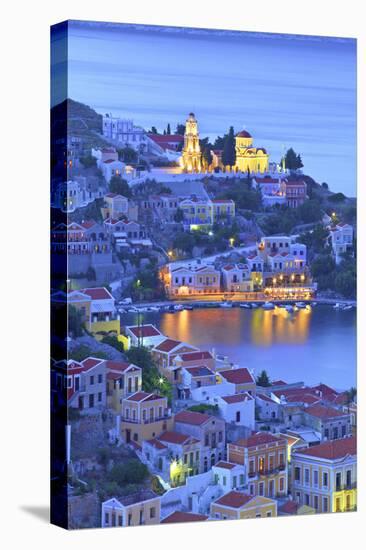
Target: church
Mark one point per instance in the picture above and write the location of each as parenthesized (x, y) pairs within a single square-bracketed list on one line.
[(191, 160), (249, 158)]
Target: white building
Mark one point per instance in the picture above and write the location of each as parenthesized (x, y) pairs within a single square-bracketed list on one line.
[(144, 335), (273, 190), (341, 240), (72, 194), (237, 278), (238, 409), (124, 132)]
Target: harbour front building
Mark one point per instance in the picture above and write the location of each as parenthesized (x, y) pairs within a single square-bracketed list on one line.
[(191, 160), (324, 476), (249, 158), (191, 280)]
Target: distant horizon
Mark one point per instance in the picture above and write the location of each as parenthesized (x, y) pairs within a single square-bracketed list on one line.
[(286, 90)]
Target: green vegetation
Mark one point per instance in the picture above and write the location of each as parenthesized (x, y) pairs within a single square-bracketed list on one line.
[(263, 379), (292, 160), (113, 342), (147, 285), (180, 129), (132, 471), (228, 153), (243, 196), (340, 278), (204, 408), (82, 352), (88, 161), (152, 380), (75, 322), (337, 197), (127, 154), (120, 187)]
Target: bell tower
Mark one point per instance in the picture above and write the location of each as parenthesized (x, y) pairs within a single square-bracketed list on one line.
[(191, 154)]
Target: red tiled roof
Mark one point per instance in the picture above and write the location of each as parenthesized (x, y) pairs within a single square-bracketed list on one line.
[(222, 201), (234, 499), (332, 450), (191, 417), (142, 396), (226, 465), (87, 224), (326, 390), (237, 398), (278, 383), (144, 331), (113, 375), (196, 356), (289, 507), (293, 183), (323, 412), (91, 362), (176, 438), (167, 345), (168, 138), (183, 517), (265, 397), (119, 366), (238, 376), (244, 133), (97, 293), (202, 370), (156, 443), (259, 438)]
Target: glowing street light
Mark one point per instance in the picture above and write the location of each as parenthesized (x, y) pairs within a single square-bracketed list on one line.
[(231, 241)]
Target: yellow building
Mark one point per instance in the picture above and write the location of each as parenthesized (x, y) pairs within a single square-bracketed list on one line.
[(144, 416), (191, 160), (249, 158), (136, 509), (325, 476), (237, 505)]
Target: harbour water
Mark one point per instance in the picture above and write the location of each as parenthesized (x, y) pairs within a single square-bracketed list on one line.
[(311, 345)]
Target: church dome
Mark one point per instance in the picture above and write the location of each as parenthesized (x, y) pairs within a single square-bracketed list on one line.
[(191, 115), (244, 134)]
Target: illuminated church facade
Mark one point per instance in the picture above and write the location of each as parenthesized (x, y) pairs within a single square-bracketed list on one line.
[(191, 160), (249, 158)]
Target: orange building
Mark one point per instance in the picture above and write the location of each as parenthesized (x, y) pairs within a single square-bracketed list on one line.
[(265, 458)]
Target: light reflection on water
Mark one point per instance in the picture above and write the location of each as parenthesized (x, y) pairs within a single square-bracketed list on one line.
[(312, 345)]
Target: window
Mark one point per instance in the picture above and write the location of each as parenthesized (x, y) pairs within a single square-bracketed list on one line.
[(297, 473), (338, 481), (91, 380), (129, 519), (269, 514), (119, 521), (316, 502), (325, 479), (241, 479), (325, 504), (348, 502), (307, 500), (282, 484), (106, 518), (348, 478), (316, 477), (307, 475), (100, 378), (261, 464), (91, 401), (152, 512), (220, 437), (338, 505), (251, 467), (100, 397), (261, 489), (237, 416)]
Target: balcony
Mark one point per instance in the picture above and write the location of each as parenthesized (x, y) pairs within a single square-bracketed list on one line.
[(146, 421)]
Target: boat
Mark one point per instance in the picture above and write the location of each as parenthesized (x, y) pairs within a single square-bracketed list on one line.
[(347, 307), (170, 309), (268, 305), (337, 306), (178, 307), (189, 307), (152, 308), (226, 304), (245, 306), (289, 308), (300, 305), (254, 305)]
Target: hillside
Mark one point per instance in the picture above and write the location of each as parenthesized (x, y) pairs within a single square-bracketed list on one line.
[(82, 121)]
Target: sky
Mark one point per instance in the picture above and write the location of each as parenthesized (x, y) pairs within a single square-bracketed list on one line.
[(286, 90)]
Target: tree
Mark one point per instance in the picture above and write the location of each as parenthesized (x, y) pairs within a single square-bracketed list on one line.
[(185, 242), (76, 322), (152, 380), (263, 379), (168, 130), (132, 471), (292, 160), (180, 130), (325, 185), (153, 130), (179, 215), (228, 153), (127, 154), (88, 161), (310, 211), (337, 197), (120, 187)]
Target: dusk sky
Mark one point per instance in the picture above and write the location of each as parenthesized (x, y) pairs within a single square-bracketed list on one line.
[(286, 90)]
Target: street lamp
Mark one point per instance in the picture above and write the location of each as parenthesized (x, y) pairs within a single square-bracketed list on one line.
[(231, 241)]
